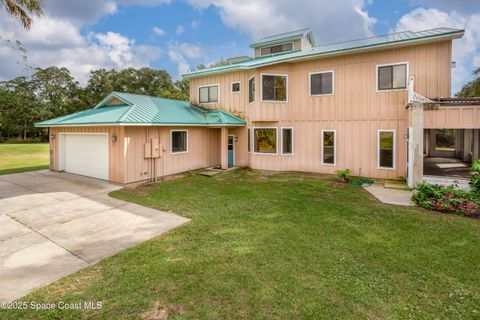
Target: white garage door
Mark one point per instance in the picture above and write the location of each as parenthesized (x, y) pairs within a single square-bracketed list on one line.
[(86, 154)]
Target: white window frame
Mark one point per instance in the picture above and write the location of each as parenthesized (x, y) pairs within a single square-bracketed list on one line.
[(254, 91), (394, 149), (231, 87), (171, 141), (281, 141), (280, 44), (208, 85), (253, 140), (310, 83), (286, 87), (388, 65), (334, 164), (249, 139)]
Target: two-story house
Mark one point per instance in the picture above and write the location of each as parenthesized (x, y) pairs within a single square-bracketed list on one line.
[(370, 105)]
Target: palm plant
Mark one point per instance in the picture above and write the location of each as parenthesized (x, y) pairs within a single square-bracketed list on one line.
[(23, 10)]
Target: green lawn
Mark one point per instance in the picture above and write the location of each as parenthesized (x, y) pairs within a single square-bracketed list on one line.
[(23, 157), (281, 246)]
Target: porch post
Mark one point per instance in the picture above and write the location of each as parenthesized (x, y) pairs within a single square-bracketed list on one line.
[(476, 144), (417, 143), (224, 148), (467, 144)]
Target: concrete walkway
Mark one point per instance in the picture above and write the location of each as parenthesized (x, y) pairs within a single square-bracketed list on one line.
[(52, 225), (390, 196)]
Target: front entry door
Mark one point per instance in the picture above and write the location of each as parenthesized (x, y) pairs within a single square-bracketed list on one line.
[(231, 150)]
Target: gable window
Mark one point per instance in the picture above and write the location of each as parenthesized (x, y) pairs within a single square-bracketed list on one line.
[(386, 149), (274, 87), (236, 87), (208, 94), (179, 141), (265, 140), (329, 147), (321, 83), (392, 77), (276, 49), (251, 90), (287, 141)]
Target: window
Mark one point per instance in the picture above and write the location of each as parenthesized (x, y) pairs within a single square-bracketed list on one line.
[(248, 139), (265, 140), (392, 77), (287, 141), (276, 49), (236, 87), (321, 83), (274, 88), (328, 147), (179, 141), (444, 139), (251, 90), (386, 149), (208, 94)]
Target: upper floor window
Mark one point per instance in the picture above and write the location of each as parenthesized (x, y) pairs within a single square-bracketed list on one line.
[(236, 87), (208, 94), (321, 83), (274, 87), (392, 77), (276, 49), (251, 90)]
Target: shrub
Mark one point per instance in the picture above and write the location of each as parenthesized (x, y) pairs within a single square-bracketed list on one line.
[(448, 199), (343, 175), (475, 179)]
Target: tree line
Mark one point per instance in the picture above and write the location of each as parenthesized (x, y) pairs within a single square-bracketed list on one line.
[(54, 92)]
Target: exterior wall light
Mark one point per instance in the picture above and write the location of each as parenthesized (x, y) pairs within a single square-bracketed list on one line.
[(114, 137)]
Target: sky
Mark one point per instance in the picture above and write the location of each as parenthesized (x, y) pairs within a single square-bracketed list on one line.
[(178, 35)]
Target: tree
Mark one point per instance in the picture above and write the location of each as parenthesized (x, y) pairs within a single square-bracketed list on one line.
[(22, 10), (472, 88)]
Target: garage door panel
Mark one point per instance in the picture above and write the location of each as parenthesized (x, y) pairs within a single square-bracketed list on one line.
[(86, 154)]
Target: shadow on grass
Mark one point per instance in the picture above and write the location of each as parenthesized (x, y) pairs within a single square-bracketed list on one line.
[(23, 169)]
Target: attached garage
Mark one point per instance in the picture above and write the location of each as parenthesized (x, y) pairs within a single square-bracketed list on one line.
[(85, 154)]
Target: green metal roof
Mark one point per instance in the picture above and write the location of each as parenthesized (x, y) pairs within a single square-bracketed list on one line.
[(145, 110), (283, 37), (390, 40)]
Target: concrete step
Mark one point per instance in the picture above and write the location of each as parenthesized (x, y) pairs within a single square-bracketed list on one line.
[(396, 184)]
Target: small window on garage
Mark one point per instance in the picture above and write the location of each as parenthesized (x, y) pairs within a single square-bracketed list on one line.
[(179, 141)]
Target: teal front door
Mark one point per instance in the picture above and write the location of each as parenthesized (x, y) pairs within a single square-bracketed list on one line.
[(231, 151)]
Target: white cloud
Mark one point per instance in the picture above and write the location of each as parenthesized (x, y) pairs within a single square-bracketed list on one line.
[(330, 20), (180, 30), (466, 51), (57, 42), (158, 31), (195, 24), (181, 53)]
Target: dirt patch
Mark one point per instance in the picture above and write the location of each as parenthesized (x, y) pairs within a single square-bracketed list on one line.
[(161, 312), (338, 185)]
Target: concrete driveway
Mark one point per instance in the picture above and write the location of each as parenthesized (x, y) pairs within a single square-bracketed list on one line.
[(54, 224)]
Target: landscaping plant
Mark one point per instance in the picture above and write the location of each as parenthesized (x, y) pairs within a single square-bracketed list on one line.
[(343, 175), (447, 199), (475, 179)]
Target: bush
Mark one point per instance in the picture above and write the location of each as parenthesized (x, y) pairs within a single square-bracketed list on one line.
[(475, 179), (343, 175), (448, 199)]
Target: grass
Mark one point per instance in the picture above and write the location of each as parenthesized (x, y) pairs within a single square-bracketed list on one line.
[(280, 246), (23, 157)]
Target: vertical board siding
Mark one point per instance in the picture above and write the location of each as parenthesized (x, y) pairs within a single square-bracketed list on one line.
[(356, 110), (453, 117), (203, 151)]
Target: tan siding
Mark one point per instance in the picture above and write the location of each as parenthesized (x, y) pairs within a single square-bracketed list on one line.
[(356, 110), (454, 117), (203, 151)]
